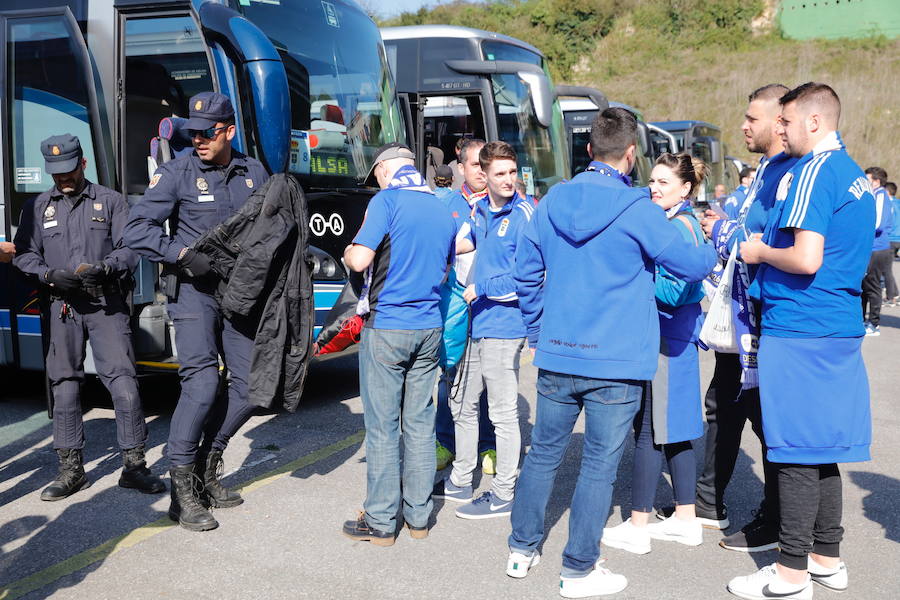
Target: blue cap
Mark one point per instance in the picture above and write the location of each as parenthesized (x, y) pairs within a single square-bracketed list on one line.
[(62, 153), (207, 109)]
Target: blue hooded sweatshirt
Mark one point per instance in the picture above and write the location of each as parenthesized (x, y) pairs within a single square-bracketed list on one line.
[(585, 277)]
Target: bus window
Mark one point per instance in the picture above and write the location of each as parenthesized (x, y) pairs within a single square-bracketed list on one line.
[(165, 64), (47, 95), (506, 51)]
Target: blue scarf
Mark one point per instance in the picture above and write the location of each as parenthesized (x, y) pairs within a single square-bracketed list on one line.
[(745, 313), (407, 178), (604, 169)]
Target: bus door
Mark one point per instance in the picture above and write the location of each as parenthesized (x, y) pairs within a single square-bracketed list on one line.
[(161, 62), (48, 88), (444, 120)]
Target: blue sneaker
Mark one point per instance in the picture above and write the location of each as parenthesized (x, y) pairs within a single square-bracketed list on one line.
[(485, 506), (445, 489)]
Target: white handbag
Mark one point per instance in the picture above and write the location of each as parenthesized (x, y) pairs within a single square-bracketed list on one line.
[(718, 331)]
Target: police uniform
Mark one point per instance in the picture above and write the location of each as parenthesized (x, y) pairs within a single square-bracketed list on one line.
[(195, 196), (73, 245)]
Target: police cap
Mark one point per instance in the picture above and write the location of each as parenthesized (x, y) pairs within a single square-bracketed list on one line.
[(62, 153), (207, 109)]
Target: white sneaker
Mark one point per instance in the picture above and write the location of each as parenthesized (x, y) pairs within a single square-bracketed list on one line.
[(598, 582), (627, 537), (833, 579), (518, 565), (673, 529), (766, 584)]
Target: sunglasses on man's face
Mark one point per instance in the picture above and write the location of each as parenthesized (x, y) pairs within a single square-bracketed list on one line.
[(207, 134)]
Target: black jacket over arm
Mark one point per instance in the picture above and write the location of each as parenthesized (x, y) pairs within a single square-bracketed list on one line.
[(260, 254)]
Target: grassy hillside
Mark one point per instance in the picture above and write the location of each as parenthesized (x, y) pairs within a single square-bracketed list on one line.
[(698, 59)]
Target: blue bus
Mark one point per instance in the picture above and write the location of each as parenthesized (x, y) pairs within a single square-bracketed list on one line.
[(313, 94)]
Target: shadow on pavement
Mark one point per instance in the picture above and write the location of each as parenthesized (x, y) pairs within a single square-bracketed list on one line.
[(881, 505)]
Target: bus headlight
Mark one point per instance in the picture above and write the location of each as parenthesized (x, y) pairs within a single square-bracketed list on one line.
[(323, 266)]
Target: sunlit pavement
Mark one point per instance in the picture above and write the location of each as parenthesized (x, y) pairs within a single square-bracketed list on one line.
[(304, 474)]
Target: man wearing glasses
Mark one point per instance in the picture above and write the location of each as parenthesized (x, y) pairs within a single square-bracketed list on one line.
[(195, 193)]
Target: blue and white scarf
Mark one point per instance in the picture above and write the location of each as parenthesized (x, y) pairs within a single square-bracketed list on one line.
[(744, 312), (406, 178)]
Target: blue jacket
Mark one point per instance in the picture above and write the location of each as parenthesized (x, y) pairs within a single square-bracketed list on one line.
[(58, 233), (768, 175), (495, 312), (456, 202), (194, 196), (585, 277), (677, 301), (732, 204), (884, 219)]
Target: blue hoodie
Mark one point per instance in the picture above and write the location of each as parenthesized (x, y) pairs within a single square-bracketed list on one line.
[(585, 277), (495, 312)]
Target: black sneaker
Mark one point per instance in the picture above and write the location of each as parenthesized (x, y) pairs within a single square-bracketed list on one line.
[(758, 535), (362, 531), (710, 518)]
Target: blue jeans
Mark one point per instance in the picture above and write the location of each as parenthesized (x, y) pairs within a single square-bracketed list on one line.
[(609, 407), (397, 370)]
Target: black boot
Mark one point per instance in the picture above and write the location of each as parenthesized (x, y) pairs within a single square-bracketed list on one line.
[(210, 464), (185, 507), (136, 475), (71, 476)]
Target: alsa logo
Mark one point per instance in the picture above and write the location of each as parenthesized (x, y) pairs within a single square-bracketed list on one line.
[(859, 187), (504, 225)]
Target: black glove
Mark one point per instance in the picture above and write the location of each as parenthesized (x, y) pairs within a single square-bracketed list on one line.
[(96, 275), (195, 264), (62, 280)]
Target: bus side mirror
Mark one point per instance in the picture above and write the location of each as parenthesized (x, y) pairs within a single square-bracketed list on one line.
[(541, 96), (715, 150), (644, 139)]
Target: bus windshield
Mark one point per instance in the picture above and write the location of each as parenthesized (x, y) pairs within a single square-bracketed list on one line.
[(343, 101), (542, 151)]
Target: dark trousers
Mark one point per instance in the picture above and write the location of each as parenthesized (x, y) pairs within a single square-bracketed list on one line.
[(880, 264), (726, 415), (201, 335), (811, 506), (648, 463), (105, 323)]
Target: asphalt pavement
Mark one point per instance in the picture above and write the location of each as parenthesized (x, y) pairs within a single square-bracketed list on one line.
[(303, 474)]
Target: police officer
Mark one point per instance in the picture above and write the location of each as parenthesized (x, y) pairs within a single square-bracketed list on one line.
[(70, 238), (195, 193)]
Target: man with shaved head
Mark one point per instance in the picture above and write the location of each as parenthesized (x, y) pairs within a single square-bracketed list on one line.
[(733, 395), (814, 391)]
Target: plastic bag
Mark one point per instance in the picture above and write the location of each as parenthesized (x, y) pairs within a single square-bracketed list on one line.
[(718, 331)]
